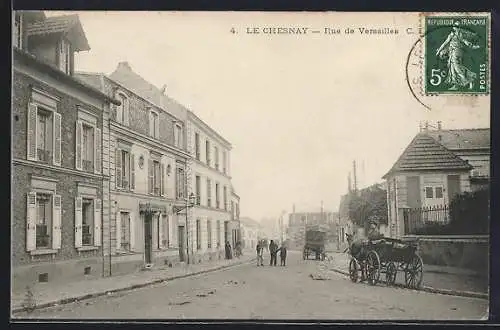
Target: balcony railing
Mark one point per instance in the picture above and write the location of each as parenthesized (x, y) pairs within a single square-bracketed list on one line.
[(87, 165), (43, 155), (86, 235), (156, 191)]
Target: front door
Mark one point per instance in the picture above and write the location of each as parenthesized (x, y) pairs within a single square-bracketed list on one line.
[(182, 247), (148, 238)]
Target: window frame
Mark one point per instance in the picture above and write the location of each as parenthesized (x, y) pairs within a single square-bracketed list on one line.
[(48, 226), (154, 131), (91, 226), (197, 149), (209, 234), (217, 198), (180, 183), (123, 108), (207, 152), (178, 135), (125, 231), (428, 189), (198, 189), (198, 234), (209, 192)]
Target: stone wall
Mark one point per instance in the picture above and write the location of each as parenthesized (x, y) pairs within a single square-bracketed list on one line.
[(469, 252)]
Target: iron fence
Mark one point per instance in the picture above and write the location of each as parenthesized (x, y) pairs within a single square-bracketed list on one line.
[(418, 219)]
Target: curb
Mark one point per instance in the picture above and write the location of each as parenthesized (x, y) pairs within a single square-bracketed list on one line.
[(468, 294), (127, 288)]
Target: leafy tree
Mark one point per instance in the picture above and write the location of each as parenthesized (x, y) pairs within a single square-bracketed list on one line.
[(367, 204)]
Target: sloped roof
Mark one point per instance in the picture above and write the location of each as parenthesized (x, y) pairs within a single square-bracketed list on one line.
[(425, 153), (125, 76), (460, 139), (64, 24)]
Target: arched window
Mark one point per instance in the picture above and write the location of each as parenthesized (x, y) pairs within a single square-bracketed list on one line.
[(122, 110)]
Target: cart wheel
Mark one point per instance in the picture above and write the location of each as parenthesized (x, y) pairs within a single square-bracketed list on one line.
[(353, 270), (414, 272), (372, 267), (390, 274)]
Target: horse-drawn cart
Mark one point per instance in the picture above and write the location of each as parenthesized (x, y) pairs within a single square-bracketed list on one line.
[(314, 242), (386, 256)]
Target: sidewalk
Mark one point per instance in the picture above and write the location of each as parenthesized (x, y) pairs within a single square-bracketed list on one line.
[(48, 294), (438, 279)]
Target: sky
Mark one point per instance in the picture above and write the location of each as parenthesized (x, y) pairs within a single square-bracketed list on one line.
[(297, 109)]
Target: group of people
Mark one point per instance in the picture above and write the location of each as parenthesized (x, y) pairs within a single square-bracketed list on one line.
[(237, 250), (274, 249)]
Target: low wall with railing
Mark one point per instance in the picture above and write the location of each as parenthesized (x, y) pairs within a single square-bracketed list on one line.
[(468, 252)]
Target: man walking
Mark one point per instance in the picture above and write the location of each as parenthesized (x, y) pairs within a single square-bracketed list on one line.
[(260, 250), (283, 254), (273, 250)]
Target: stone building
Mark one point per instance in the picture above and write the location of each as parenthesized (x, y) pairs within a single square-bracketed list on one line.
[(58, 207), (147, 169), (210, 181), (234, 225)]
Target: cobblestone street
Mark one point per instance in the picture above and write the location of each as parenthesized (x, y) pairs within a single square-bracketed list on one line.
[(251, 292)]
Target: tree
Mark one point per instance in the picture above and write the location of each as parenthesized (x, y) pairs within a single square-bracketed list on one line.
[(369, 203)]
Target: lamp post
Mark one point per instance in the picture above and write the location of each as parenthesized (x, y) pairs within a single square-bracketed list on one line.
[(189, 203)]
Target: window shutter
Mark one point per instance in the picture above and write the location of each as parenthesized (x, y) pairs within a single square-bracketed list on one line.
[(132, 171), (97, 222), (150, 176), (57, 139), (78, 147), (56, 222), (162, 180), (31, 222), (160, 231), (98, 151), (78, 222), (132, 230), (32, 136), (118, 230), (118, 168)]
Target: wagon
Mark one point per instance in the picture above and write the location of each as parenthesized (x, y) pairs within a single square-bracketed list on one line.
[(314, 243), (387, 256)]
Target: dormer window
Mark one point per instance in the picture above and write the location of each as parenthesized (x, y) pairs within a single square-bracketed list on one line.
[(17, 38), (122, 111), (64, 53)]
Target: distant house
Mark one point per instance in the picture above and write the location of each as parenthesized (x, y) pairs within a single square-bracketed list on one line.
[(249, 232), (436, 166)]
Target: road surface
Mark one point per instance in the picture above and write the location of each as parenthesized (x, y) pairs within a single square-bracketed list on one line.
[(251, 292)]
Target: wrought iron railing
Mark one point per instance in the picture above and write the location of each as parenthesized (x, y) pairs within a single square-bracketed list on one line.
[(87, 165), (418, 219), (43, 155)]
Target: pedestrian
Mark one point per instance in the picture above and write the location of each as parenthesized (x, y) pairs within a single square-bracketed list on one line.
[(283, 254), (228, 250), (273, 249), (260, 259)]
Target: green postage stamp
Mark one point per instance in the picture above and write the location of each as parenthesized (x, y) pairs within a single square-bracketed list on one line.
[(456, 56)]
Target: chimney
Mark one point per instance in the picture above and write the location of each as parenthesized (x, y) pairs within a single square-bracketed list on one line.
[(420, 126), (349, 184), (439, 125), (426, 127), (163, 88), (124, 66)]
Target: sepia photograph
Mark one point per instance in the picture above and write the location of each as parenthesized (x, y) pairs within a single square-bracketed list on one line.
[(250, 166)]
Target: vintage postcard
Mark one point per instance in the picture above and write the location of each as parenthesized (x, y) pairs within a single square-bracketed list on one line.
[(250, 165)]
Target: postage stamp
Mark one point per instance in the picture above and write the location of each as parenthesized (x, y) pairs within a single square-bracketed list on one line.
[(456, 55)]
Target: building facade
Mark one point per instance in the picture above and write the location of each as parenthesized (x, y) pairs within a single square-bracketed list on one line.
[(435, 167), (209, 179), (250, 230), (147, 170), (235, 224), (57, 155)]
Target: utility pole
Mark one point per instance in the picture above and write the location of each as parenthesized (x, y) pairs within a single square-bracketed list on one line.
[(354, 174)]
